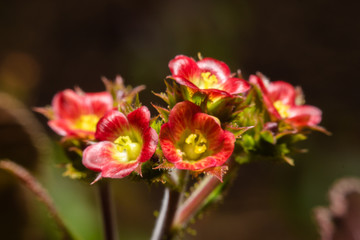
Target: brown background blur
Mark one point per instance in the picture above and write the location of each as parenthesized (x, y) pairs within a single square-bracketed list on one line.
[(47, 46)]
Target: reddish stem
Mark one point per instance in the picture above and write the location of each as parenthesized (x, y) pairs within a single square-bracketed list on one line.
[(191, 206)]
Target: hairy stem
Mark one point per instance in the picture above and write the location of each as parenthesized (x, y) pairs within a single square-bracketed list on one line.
[(191, 206), (107, 211), (36, 188)]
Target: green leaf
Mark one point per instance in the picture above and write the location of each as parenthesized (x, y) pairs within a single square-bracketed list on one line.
[(268, 136)]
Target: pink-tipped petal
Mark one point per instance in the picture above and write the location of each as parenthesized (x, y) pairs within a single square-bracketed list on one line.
[(99, 103), (68, 105), (61, 127), (140, 118), (185, 67), (150, 139), (119, 170), (282, 91), (304, 115), (220, 69), (236, 86), (96, 156), (111, 126), (101, 157)]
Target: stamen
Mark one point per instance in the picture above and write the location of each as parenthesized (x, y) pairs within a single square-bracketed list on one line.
[(87, 122), (282, 109), (127, 149), (209, 80)]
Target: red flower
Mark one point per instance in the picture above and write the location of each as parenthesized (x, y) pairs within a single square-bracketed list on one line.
[(208, 75), (194, 140), (280, 100), (76, 114), (125, 143)]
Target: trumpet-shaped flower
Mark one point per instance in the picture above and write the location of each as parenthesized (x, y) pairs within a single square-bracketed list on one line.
[(194, 140), (125, 143), (76, 114), (280, 100), (208, 75)]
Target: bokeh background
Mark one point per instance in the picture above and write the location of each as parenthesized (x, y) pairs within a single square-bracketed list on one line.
[(47, 46)]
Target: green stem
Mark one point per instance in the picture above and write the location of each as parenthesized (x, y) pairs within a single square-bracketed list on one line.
[(106, 210)]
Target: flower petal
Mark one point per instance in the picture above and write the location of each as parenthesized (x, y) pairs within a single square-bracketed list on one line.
[(235, 86), (64, 127), (227, 148), (304, 115), (198, 165), (167, 143), (68, 105), (97, 155), (100, 157), (150, 139), (210, 128), (256, 80), (140, 118), (282, 91), (111, 126), (99, 103), (181, 116), (185, 67), (220, 69)]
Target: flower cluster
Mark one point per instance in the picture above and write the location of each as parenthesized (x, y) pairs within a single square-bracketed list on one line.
[(213, 117)]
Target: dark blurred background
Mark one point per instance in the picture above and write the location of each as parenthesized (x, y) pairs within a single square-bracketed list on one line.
[(47, 46)]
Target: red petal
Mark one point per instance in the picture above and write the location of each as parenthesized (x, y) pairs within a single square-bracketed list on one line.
[(61, 127), (185, 67), (99, 103), (235, 86), (256, 80), (220, 69), (304, 115), (181, 117), (226, 150), (140, 118), (167, 143), (282, 91), (150, 139), (111, 126), (210, 128), (68, 105), (183, 81), (198, 165)]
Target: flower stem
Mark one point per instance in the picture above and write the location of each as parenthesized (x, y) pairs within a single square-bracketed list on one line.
[(106, 210), (191, 206), (162, 230)]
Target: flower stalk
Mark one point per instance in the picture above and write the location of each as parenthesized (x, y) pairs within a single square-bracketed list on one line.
[(107, 211)]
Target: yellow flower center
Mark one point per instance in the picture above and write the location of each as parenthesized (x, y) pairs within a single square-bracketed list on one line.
[(195, 145), (87, 122), (208, 80), (282, 109), (127, 149)]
